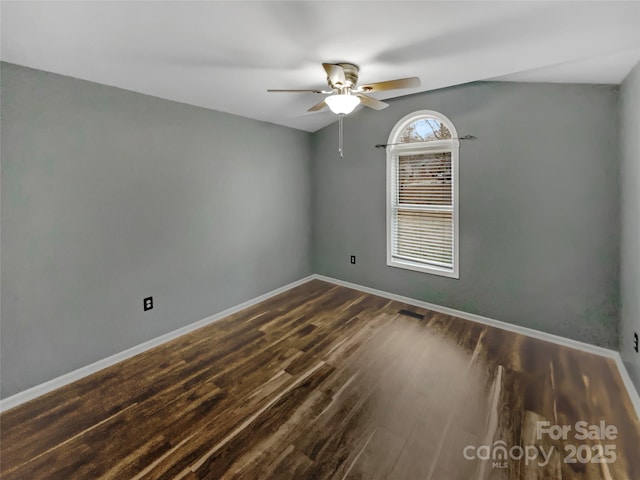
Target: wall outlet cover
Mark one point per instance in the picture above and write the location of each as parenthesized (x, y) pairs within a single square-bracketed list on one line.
[(148, 303)]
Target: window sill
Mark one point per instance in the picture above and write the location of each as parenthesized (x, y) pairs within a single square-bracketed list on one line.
[(416, 267)]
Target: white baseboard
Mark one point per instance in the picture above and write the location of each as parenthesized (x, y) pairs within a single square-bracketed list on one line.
[(67, 378), (82, 372), (529, 332), (631, 388)]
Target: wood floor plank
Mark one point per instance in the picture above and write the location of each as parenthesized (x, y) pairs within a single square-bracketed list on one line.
[(326, 382)]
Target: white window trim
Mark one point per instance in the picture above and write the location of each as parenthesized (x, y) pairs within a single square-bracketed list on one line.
[(393, 150)]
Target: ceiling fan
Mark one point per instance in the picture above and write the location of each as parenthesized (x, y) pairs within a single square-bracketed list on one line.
[(345, 95)]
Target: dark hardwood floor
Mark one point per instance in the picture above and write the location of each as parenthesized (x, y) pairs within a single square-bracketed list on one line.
[(325, 382)]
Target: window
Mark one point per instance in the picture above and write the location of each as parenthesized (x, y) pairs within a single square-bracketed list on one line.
[(422, 194)]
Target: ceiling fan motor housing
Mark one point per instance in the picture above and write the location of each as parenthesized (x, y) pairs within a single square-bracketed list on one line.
[(350, 77)]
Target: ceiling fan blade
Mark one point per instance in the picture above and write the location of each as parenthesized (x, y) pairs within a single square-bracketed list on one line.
[(335, 73), (371, 102), (286, 91), (318, 106), (410, 82)]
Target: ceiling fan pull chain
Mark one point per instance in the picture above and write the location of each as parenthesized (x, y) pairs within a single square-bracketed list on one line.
[(340, 136)]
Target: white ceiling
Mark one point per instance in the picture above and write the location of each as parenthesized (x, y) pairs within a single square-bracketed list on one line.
[(224, 55)]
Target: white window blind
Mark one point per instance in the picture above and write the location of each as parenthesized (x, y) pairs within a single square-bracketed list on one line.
[(422, 193)]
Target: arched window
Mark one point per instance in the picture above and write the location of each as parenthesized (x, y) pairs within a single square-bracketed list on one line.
[(422, 194)]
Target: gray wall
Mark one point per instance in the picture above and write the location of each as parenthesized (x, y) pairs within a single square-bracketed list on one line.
[(109, 196), (630, 216), (539, 206)]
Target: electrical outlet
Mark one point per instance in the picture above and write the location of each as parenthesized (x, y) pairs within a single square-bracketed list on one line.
[(353, 259), (148, 303), (635, 342)]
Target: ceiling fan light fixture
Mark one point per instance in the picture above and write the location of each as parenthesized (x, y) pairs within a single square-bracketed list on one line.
[(342, 103)]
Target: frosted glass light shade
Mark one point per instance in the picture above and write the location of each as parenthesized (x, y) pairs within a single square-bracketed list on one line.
[(342, 103)]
